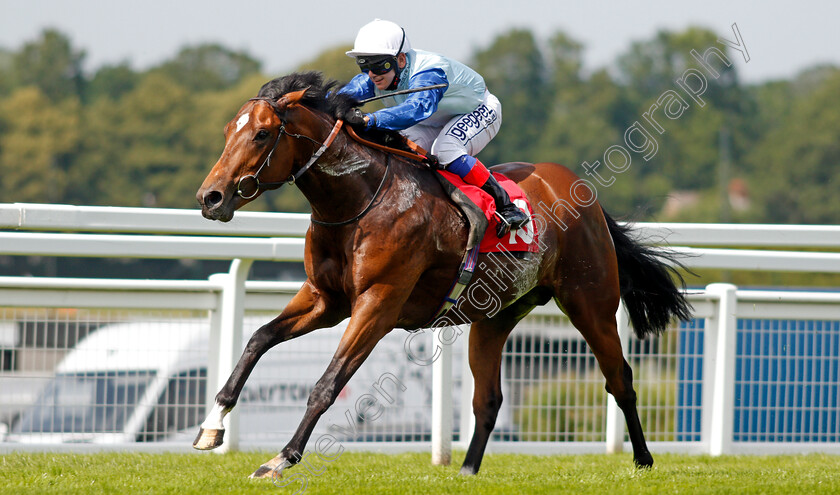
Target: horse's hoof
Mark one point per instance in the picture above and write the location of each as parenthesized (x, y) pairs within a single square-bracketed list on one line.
[(264, 472), (644, 461), (272, 469), (467, 471), (208, 439)]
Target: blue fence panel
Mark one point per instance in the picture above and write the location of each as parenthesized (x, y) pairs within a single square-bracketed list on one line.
[(690, 380), (787, 381)]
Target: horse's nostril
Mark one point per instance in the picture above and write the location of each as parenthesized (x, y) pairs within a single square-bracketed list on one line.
[(212, 199)]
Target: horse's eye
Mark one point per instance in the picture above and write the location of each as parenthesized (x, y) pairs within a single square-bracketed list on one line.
[(261, 135)]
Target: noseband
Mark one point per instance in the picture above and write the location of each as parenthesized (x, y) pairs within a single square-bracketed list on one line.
[(292, 178)]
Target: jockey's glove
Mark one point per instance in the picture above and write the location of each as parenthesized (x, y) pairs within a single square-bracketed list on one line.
[(354, 117)]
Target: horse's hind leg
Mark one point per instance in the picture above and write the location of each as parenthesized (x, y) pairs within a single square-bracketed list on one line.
[(593, 314)]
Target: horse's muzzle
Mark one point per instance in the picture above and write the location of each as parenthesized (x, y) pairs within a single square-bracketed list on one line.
[(214, 206)]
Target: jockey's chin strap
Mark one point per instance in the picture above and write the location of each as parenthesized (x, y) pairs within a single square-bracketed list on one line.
[(292, 178)]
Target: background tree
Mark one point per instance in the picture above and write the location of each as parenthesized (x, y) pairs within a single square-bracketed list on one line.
[(111, 81), (6, 72), (209, 67), (125, 137), (138, 151), (120, 136), (650, 67), (37, 144), (798, 160), (515, 71), (334, 63), (578, 124), (689, 151), (52, 65)]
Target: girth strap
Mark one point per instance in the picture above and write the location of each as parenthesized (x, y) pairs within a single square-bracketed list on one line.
[(465, 273)]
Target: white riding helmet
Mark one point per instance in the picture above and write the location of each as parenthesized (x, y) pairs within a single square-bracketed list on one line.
[(380, 37)]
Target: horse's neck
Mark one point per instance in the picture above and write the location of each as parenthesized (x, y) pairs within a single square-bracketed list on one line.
[(343, 181)]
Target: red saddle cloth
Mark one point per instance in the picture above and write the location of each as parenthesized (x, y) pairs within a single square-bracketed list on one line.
[(524, 239)]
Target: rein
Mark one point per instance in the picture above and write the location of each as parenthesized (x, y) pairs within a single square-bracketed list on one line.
[(417, 153)]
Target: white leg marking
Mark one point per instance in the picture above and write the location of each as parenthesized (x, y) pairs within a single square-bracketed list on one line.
[(214, 419)]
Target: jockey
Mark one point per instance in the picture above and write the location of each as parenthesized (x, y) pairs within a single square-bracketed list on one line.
[(454, 122)]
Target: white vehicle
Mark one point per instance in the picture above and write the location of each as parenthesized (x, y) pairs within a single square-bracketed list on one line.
[(143, 381)]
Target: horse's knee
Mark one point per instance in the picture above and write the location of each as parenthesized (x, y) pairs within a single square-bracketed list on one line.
[(259, 342), (486, 408), (487, 402)]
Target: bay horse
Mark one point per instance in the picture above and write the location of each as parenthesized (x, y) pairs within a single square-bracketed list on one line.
[(386, 242)]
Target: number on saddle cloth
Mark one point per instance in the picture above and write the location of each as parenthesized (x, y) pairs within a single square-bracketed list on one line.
[(524, 239)]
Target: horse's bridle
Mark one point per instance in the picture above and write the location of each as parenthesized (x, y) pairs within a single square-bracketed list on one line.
[(293, 177)]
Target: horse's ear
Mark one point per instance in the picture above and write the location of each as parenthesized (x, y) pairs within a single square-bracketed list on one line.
[(291, 98)]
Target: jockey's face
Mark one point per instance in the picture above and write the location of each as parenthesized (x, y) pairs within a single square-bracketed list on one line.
[(383, 81)]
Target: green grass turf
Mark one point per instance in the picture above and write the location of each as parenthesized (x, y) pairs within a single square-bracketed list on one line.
[(367, 473)]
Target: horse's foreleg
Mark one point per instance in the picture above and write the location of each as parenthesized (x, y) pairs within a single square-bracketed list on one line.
[(487, 339), (373, 317), (307, 311)]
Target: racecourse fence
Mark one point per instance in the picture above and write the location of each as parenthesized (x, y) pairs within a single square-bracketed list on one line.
[(753, 372)]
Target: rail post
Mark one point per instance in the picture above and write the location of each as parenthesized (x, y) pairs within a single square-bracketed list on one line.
[(442, 397), (719, 370), (615, 419), (467, 420), (229, 346)]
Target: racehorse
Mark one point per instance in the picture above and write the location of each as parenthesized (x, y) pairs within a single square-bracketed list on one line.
[(386, 241)]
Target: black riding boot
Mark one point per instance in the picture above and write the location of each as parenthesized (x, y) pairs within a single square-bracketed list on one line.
[(510, 216)]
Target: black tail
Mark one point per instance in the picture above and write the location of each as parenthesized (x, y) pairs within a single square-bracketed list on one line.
[(647, 287)]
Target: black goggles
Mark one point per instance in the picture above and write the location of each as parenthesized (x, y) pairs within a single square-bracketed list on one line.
[(377, 65)]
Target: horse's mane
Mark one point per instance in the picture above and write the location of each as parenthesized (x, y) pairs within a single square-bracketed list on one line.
[(322, 95)]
